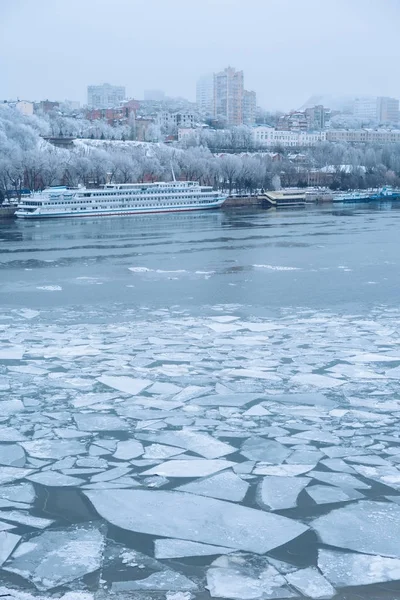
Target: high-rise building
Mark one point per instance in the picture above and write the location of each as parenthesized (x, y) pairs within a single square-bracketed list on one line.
[(316, 116), (388, 110), (205, 94), (366, 108), (105, 95), (249, 107), (228, 96)]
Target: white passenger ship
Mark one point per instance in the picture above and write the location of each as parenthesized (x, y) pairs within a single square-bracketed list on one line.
[(120, 199)]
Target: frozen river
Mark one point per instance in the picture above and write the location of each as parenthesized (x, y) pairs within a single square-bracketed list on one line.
[(198, 406)]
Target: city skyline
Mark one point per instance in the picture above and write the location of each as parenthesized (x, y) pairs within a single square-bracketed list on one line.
[(289, 51)]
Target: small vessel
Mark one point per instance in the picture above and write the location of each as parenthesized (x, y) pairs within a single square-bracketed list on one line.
[(352, 197), (289, 198), (120, 199), (385, 193)]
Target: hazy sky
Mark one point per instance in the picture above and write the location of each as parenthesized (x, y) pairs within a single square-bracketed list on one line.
[(288, 49)]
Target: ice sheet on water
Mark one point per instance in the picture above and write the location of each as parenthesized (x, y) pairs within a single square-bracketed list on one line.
[(315, 380), (99, 422), (389, 476), (239, 577), (223, 327), (47, 448), (127, 385), (195, 441), (313, 399), (345, 569), (343, 480), (324, 494), (57, 557), (171, 548), (161, 581), (191, 392), (54, 479), (225, 486), (197, 518), (160, 451), (8, 541), (311, 584), (128, 449), (282, 470), (366, 526), (11, 353), (318, 435), (278, 493), (111, 474), (337, 464), (189, 468), (252, 373), (226, 399), (22, 492), (10, 474), (23, 518), (258, 448), (12, 455), (162, 387)]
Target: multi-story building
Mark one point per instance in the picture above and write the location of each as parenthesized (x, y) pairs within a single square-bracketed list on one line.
[(388, 110), (249, 107), (205, 94), (24, 107), (268, 136), (46, 106), (316, 117), (379, 136), (105, 95), (294, 121), (120, 115), (180, 119), (228, 96), (366, 108)]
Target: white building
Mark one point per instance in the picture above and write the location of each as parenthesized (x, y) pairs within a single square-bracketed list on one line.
[(268, 136), (379, 136), (366, 108), (180, 119), (24, 107), (205, 94), (105, 95)]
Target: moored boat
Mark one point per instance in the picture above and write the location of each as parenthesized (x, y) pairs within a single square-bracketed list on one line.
[(120, 199)]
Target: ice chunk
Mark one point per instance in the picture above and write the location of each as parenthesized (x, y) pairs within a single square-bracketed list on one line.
[(225, 486), (23, 518), (8, 541), (317, 435), (170, 548), (128, 449), (10, 407), (241, 578), (12, 455), (125, 384), (226, 399), (99, 422), (223, 327), (339, 479), (197, 518), (45, 448), (389, 476), (252, 373), (9, 474), (345, 569), (111, 474), (323, 494), (282, 470), (367, 526), (9, 434), (21, 492), (278, 493), (189, 468), (162, 387), (314, 399), (54, 479), (311, 584), (314, 380), (257, 411), (258, 448), (161, 451), (11, 353), (195, 441), (162, 581), (58, 557)]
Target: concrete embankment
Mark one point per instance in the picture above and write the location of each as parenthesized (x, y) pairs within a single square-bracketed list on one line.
[(6, 212), (242, 201)]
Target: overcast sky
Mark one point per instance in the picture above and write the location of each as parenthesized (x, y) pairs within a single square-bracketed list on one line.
[(288, 49)]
